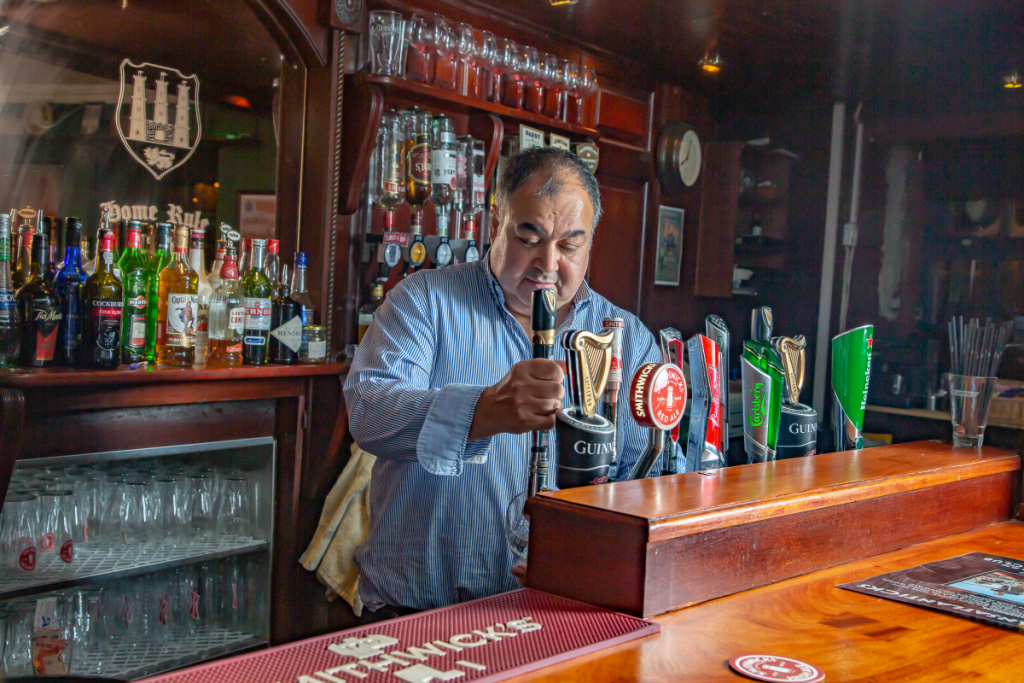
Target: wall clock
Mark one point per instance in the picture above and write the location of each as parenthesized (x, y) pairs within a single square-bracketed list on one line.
[(679, 158)]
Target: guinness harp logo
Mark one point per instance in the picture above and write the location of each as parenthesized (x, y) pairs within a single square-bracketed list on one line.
[(158, 139), (791, 352), (591, 357)]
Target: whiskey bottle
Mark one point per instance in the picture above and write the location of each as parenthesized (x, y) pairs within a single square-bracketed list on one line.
[(10, 321), (39, 307), (68, 284), (177, 298), (161, 256), (227, 318), (104, 300), (197, 259), (257, 290), (285, 325), (135, 278), (368, 310)]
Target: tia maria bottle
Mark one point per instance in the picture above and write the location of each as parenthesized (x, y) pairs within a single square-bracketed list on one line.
[(39, 307), (104, 300), (10, 321)]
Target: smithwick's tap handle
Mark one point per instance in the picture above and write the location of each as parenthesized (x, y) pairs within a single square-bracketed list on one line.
[(657, 400), (543, 316)]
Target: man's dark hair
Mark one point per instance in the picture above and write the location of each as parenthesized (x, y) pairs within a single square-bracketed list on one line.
[(559, 164)]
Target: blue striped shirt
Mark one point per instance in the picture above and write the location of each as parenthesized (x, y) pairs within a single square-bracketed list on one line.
[(437, 503)]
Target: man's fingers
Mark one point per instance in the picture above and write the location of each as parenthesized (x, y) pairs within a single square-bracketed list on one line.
[(541, 368)]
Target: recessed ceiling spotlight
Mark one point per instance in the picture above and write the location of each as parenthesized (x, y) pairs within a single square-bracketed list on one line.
[(711, 62), (1012, 81), (559, 3)]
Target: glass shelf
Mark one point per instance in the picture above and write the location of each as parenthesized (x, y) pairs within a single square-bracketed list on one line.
[(104, 561), (130, 658)]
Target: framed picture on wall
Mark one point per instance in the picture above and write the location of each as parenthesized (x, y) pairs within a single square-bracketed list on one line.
[(669, 256), (257, 214)]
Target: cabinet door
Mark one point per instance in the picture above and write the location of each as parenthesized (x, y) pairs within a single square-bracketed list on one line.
[(715, 236), (616, 258)]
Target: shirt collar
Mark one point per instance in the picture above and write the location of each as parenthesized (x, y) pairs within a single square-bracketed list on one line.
[(581, 300)]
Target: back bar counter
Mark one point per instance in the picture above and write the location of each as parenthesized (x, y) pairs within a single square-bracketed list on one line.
[(748, 561)]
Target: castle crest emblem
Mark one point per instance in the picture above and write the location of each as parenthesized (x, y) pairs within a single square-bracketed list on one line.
[(159, 133)]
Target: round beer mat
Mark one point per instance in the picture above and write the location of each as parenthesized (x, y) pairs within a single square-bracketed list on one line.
[(771, 668)]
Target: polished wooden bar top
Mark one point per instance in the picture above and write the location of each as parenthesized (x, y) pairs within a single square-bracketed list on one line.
[(29, 378), (692, 503), (851, 636)]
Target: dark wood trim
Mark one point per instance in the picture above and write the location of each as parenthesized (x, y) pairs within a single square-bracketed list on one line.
[(363, 108), (12, 416), (29, 378)]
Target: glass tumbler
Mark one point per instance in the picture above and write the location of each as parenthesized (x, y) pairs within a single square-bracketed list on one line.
[(18, 641), (170, 513), (202, 499), (386, 37), (234, 516), (19, 532), (969, 400), (55, 529)]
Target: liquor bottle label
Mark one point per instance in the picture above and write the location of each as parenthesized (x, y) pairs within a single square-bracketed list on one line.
[(106, 323), (257, 314), (290, 334), (419, 160), (236, 322), (137, 322), (8, 300), (307, 315), (45, 322), (365, 319), (181, 320), (443, 165), (317, 349)]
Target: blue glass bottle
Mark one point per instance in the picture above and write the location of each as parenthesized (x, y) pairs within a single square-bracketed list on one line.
[(68, 283)]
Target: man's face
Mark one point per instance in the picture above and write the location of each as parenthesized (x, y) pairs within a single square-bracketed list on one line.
[(542, 242)]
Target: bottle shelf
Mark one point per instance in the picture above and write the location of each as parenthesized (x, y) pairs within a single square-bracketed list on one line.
[(105, 561), (129, 658)]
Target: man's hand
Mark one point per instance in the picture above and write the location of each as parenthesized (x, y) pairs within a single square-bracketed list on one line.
[(525, 400)]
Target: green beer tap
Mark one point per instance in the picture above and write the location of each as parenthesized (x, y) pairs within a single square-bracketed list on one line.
[(851, 373), (762, 389)]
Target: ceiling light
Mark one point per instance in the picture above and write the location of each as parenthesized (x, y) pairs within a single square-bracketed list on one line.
[(559, 3), (238, 101), (1012, 81), (711, 62)]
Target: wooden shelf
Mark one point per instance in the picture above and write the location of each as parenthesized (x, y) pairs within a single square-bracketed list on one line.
[(29, 378), (452, 101)]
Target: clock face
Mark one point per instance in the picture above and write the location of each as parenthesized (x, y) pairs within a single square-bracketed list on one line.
[(689, 155)]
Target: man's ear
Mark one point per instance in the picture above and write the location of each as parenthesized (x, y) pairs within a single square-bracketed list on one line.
[(495, 224)]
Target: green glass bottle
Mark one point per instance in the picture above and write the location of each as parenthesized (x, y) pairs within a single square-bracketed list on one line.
[(161, 257), (134, 265), (257, 291), (762, 390)]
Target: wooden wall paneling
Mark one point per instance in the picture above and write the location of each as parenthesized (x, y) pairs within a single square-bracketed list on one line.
[(616, 257), (362, 109), (12, 415), (302, 22), (623, 115), (289, 615), (715, 238)]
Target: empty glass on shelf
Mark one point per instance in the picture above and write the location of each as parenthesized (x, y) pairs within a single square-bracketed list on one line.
[(234, 512), (55, 531), (419, 60), (512, 74), (467, 79), (19, 533), (445, 68), (386, 39), (552, 69), (571, 97), (489, 59)]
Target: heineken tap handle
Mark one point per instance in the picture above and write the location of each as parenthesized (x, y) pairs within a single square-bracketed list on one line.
[(543, 315), (716, 329), (761, 325), (657, 400)]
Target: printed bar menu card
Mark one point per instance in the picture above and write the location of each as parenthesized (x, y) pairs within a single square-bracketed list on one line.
[(979, 586)]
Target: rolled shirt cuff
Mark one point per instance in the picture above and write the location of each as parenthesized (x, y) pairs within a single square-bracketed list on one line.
[(443, 446)]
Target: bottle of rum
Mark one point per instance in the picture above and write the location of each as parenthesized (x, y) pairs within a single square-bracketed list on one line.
[(10, 321), (104, 300), (197, 259), (135, 278), (368, 310), (227, 317), (68, 284), (177, 299), (299, 292), (272, 264), (161, 256), (39, 307), (285, 325), (257, 291), (218, 261)]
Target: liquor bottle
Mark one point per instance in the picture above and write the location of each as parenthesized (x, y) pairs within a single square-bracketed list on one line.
[(272, 262), (299, 292), (177, 295), (197, 259), (25, 231), (244, 259), (443, 174), (39, 307), (368, 310), (417, 185), (285, 325), (227, 317), (214, 276), (135, 278), (104, 300), (474, 194), (257, 290), (161, 256), (68, 284), (389, 188), (49, 229), (10, 320)]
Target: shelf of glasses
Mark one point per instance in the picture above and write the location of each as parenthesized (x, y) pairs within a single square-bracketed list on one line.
[(103, 561), (453, 101), (128, 658)]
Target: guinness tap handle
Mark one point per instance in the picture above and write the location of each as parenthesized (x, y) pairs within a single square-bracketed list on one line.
[(543, 315)]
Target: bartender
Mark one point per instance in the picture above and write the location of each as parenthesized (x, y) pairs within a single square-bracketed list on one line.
[(445, 392)]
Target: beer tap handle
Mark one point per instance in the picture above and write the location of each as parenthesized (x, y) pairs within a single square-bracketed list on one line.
[(716, 329), (657, 400), (761, 324), (543, 316)]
